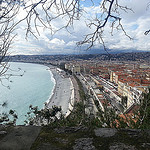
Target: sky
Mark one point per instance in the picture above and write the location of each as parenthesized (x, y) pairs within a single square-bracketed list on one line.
[(64, 41)]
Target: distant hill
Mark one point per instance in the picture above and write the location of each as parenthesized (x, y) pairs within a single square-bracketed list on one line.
[(134, 56)]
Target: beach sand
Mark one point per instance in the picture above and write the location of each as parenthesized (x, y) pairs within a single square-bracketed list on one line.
[(63, 93)]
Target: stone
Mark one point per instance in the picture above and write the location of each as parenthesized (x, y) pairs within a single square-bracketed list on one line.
[(121, 146), (105, 132), (132, 132), (84, 144), (3, 132), (60, 140), (146, 145), (20, 138), (69, 129), (47, 146)]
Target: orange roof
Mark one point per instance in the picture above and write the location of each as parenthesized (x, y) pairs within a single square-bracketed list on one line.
[(117, 69), (145, 85), (124, 80), (144, 81), (127, 119), (128, 116), (134, 84), (134, 81), (134, 71)]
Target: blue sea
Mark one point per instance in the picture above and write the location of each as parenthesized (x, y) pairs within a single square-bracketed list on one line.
[(29, 84)]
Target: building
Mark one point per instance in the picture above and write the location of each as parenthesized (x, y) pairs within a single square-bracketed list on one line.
[(75, 68), (132, 89)]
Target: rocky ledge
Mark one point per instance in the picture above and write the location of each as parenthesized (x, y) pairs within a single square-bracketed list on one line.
[(72, 138)]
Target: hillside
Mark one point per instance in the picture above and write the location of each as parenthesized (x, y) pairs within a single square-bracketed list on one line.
[(135, 56)]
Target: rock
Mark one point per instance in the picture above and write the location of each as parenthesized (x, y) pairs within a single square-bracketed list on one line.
[(132, 132), (121, 146), (146, 145), (3, 132), (69, 129), (84, 144), (47, 146), (60, 140), (20, 138), (2, 127), (105, 132)]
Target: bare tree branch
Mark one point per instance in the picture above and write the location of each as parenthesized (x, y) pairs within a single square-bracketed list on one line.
[(109, 14), (43, 13)]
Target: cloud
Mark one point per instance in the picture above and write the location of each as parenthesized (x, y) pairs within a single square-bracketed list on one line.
[(57, 42), (135, 24), (64, 42)]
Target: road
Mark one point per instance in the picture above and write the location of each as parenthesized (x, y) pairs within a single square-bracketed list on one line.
[(118, 107), (112, 88), (90, 107), (113, 100)]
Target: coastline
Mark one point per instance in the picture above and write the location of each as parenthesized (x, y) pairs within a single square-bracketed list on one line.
[(33, 88), (54, 81), (70, 94), (63, 91)]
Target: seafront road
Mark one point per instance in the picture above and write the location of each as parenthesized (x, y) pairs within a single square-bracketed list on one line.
[(90, 107)]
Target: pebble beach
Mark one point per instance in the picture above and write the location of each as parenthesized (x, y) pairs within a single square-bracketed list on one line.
[(63, 92)]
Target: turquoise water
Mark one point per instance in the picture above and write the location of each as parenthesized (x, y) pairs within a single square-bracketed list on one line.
[(34, 87)]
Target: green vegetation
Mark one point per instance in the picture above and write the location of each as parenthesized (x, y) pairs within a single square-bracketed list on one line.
[(124, 101), (61, 138), (108, 118), (39, 117), (66, 138), (64, 132), (143, 114), (54, 117), (8, 118), (97, 105), (81, 90), (123, 139)]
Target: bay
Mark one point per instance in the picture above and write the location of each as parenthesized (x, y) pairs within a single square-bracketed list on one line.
[(32, 85)]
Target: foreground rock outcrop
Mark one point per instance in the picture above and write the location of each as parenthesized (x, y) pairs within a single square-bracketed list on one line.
[(18, 137), (72, 138)]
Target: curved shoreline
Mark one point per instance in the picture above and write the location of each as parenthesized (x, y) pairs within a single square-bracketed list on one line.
[(54, 81), (63, 91), (34, 88)]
